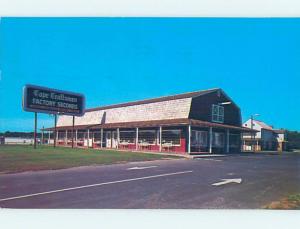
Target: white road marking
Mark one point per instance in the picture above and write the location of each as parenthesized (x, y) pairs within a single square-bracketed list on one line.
[(138, 168), (227, 181), (208, 159), (94, 185)]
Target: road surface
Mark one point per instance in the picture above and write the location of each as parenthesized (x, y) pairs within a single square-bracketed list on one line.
[(168, 184)]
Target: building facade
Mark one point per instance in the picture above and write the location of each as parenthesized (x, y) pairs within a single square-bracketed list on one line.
[(197, 122), (265, 139)]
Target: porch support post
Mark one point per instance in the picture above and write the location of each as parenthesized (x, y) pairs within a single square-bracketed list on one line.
[(42, 142), (93, 140), (137, 139), (118, 137), (227, 141), (88, 138), (49, 137), (160, 138), (76, 132), (101, 142), (210, 139), (66, 138), (189, 138), (56, 137)]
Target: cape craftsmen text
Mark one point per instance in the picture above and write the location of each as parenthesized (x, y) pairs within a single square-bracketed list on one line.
[(45, 98)]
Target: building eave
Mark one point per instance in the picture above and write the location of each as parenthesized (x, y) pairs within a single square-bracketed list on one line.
[(154, 123)]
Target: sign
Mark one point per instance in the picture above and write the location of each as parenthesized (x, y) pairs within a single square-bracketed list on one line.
[(52, 101)]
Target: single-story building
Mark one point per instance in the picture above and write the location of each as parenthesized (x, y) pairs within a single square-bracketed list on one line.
[(205, 121)]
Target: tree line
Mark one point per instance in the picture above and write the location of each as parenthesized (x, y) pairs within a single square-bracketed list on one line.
[(293, 138)]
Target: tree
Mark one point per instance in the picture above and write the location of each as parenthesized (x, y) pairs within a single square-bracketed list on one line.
[(293, 138)]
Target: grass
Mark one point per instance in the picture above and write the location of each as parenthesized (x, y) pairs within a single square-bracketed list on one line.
[(20, 158), (290, 202)]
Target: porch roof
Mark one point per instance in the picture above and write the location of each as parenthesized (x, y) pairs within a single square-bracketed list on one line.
[(154, 123)]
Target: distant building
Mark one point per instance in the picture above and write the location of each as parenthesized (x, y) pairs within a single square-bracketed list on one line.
[(2, 140), (197, 122), (267, 138)]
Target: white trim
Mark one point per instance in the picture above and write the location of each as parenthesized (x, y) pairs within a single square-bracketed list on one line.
[(210, 139), (189, 137), (227, 141), (137, 139), (76, 131), (88, 138), (160, 138), (101, 135)]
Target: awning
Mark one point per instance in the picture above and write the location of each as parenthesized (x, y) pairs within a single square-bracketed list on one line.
[(154, 123)]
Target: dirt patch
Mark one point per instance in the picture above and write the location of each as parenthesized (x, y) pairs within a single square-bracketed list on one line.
[(290, 202)]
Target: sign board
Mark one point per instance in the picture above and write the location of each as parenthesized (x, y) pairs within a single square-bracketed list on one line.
[(52, 101)]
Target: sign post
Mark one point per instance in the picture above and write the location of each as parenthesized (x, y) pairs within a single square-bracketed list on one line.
[(51, 101), (35, 127)]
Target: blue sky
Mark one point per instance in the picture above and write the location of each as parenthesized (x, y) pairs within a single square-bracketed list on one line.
[(114, 60)]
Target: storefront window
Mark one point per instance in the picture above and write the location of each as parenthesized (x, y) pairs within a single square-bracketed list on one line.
[(61, 135), (234, 140), (218, 140), (199, 138), (171, 137), (97, 135), (147, 136), (80, 134), (127, 137)]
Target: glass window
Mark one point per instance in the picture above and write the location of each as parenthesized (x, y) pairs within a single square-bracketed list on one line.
[(147, 136), (218, 140), (199, 138), (171, 137), (234, 140), (80, 134), (61, 134), (217, 113), (97, 135), (127, 136)]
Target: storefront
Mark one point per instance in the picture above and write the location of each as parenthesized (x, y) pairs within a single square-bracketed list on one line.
[(192, 123)]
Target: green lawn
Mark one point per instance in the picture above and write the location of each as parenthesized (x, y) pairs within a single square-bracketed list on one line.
[(18, 158)]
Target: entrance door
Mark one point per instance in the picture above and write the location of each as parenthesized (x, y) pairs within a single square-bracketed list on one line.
[(108, 139), (114, 139)]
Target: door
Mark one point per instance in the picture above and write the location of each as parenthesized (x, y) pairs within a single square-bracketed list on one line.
[(108, 139), (114, 139)]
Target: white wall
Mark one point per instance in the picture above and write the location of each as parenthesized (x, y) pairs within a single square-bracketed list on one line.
[(255, 127), (12, 140)]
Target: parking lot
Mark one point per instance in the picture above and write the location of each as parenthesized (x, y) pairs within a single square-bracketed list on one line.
[(235, 182)]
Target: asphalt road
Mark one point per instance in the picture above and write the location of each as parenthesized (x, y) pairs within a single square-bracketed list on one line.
[(167, 184)]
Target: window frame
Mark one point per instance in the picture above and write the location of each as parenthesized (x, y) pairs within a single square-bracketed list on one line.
[(217, 116), (198, 134), (143, 142), (180, 135)]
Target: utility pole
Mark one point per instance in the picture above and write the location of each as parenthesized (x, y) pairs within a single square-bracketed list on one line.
[(252, 134)]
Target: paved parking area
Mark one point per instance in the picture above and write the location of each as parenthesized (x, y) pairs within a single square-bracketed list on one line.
[(236, 182)]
